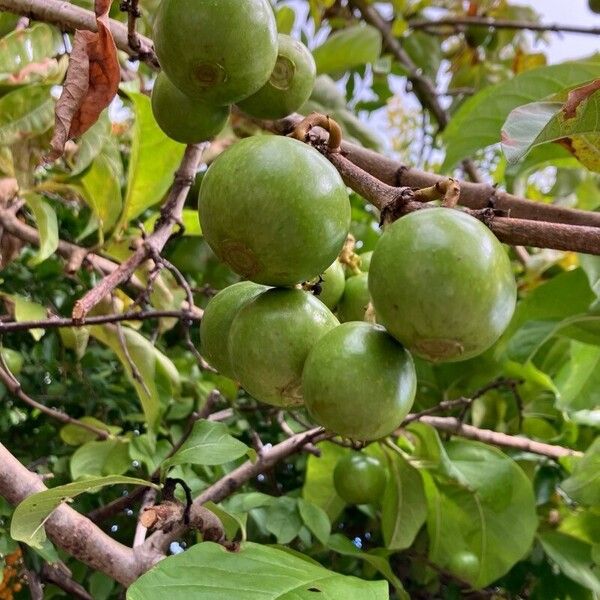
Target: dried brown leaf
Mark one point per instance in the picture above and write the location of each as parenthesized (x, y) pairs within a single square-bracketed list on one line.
[(91, 83), (577, 96)]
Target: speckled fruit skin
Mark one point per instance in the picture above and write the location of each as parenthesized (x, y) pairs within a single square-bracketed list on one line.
[(218, 51), (465, 565), (183, 119), (333, 284), (359, 382), (270, 339), (275, 210), (359, 479), (216, 323), (442, 284), (289, 86), (356, 298)]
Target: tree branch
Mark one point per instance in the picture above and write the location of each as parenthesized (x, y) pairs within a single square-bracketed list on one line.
[(69, 17), (457, 23), (71, 531), (154, 243)]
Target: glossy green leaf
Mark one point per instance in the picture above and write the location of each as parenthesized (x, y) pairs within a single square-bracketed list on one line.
[(478, 122), (153, 162), (285, 17), (25, 112), (578, 381), (404, 507), (254, 573), (493, 516), (156, 381), (26, 310), (75, 338), (76, 436), (573, 557), (316, 519), (283, 519), (31, 45), (318, 481), (209, 443), (583, 485), (27, 524), (189, 218), (47, 226), (351, 47), (97, 458)]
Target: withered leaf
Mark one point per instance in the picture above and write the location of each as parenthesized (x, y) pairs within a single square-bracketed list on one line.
[(91, 83), (577, 96)]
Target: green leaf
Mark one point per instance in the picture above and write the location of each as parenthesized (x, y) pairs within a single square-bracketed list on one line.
[(285, 17), (493, 516), (101, 189), (477, 123), (342, 545), (573, 557), (26, 310), (47, 226), (159, 377), (584, 484), (578, 381), (76, 436), (232, 522), (25, 46), (90, 144), (75, 338), (351, 47), (404, 507), (153, 162), (189, 218), (209, 443), (591, 265), (283, 520), (24, 113), (318, 480), (254, 573), (94, 459), (316, 519), (28, 520)]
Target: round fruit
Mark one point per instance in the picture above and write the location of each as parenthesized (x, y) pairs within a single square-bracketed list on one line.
[(594, 6), (332, 285), (359, 478), (270, 339), (356, 298), (275, 210), (365, 261), (218, 52), (216, 323), (13, 360), (290, 83), (359, 382), (465, 565), (183, 119), (442, 284)]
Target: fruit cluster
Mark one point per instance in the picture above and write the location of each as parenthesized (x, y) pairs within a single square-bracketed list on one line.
[(215, 54), (277, 213), (10, 582)]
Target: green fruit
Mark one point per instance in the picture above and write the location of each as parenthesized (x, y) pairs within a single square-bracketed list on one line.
[(365, 261), (275, 210), (359, 382), (13, 360), (270, 339), (442, 284), (356, 298), (290, 83), (216, 323), (216, 51), (332, 285), (464, 565), (359, 479), (183, 119), (594, 6)]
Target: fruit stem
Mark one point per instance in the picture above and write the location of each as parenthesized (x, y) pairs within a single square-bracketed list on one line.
[(316, 119), (448, 190)]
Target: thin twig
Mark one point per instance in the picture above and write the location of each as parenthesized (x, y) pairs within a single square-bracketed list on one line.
[(59, 574)]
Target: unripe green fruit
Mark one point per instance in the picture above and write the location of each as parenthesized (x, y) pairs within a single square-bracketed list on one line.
[(218, 52), (442, 284), (359, 382), (365, 261), (183, 119), (356, 298), (332, 285), (289, 86), (594, 6), (359, 479), (216, 323), (465, 565), (270, 339), (275, 210), (13, 360)]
